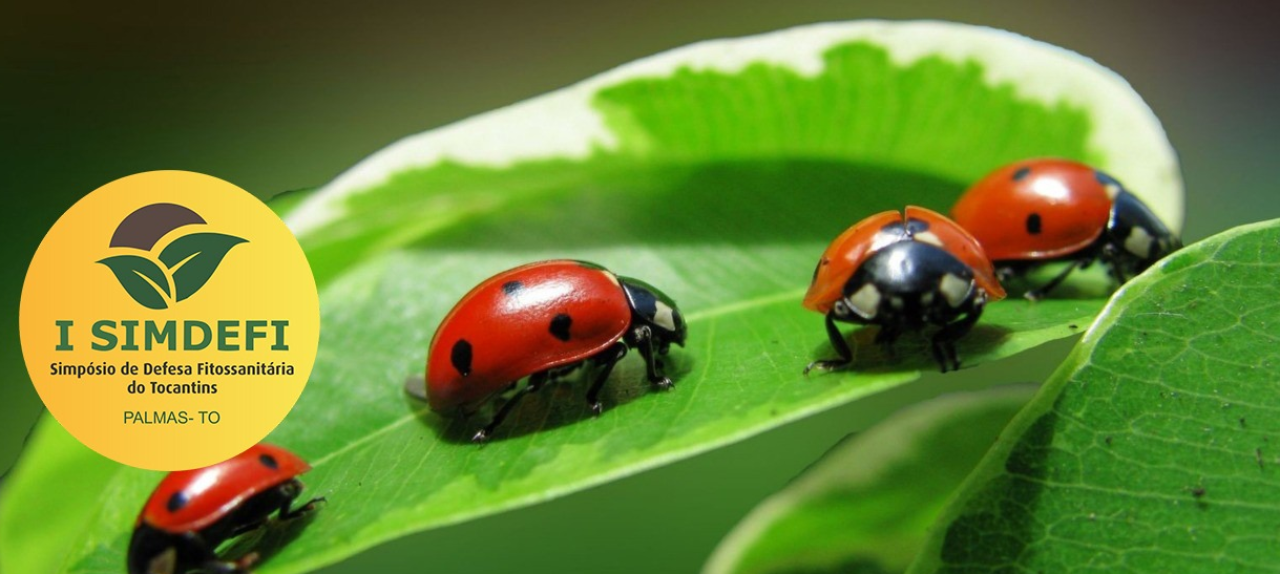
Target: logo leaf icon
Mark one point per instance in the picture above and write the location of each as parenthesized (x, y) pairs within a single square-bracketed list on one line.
[(141, 278), (192, 259)]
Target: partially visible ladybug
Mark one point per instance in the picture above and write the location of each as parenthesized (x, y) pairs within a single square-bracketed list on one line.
[(191, 512), (1038, 211), (542, 321), (903, 273)]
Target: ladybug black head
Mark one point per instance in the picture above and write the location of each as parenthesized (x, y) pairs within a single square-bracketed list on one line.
[(154, 551), (653, 308), (908, 284), (1137, 231)]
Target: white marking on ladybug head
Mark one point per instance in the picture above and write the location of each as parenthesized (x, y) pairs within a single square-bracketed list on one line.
[(954, 289), (664, 316), (164, 562), (1112, 190), (865, 301), (884, 239), (1138, 242), (928, 237)]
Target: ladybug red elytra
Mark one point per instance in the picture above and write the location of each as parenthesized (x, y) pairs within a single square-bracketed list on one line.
[(903, 272), (191, 512), (1038, 211), (542, 321)]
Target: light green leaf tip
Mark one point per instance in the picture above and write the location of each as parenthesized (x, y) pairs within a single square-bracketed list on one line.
[(1154, 448), (933, 99)]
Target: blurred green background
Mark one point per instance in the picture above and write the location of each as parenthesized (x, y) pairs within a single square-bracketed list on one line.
[(275, 97)]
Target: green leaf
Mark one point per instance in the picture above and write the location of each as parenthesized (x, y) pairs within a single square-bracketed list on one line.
[(141, 278), (59, 493), (193, 258), (283, 203), (1155, 447), (716, 172), (866, 505)]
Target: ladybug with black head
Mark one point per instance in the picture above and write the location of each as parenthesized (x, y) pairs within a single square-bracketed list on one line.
[(191, 512), (1030, 213), (903, 272), (542, 321)]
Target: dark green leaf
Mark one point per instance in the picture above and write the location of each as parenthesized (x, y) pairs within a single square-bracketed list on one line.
[(1155, 447), (193, 258), (141, 278)]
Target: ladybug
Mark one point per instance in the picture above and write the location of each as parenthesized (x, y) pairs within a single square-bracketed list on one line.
[(1038, 211), (542, 321), (191, 512), (903, 273)]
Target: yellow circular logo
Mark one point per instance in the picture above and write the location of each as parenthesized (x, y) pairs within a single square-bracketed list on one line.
[(169, 320)]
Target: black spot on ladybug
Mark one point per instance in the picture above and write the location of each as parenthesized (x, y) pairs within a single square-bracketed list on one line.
[(177, 501), (510, 287), (269, 461), (1033, 224), (460, 356), (560, 326), (1022, 172)]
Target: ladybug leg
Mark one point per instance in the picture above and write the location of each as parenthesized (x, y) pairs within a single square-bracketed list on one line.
[(1112, 256), (944, 341), (604, 362), (886, 337), (289, 492), (841, 346), (1042, 291), (191, 551), (535, 382), (285, 494), (652, 364)]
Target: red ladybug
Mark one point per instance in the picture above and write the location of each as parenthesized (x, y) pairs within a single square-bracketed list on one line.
[(191, 512), (1038, 211), (903, 273), (542, 321)]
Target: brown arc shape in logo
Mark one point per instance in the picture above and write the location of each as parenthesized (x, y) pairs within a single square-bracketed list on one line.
[(144, 227)]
